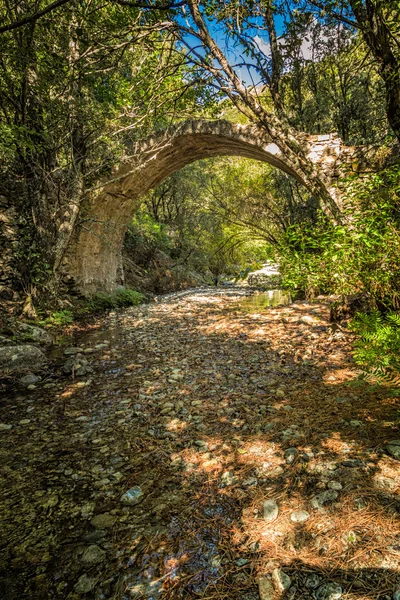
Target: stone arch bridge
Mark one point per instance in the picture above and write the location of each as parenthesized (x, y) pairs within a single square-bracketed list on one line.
[(94, 259)]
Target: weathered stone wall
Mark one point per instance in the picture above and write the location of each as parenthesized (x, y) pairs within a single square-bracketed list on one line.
[(94, 260)]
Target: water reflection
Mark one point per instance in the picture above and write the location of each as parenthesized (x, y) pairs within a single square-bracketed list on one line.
[(268, 299)]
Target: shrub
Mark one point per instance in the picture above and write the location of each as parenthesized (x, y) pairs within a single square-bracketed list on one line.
[(122, 297), (58, 319), (377, 351)]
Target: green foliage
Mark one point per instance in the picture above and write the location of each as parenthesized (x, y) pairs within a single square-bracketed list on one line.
[(121, 298), (200, 219), (146, 236), (377, 350), (360, 255), (58, 319)]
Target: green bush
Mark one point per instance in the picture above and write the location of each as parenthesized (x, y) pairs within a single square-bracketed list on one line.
[(360, 255), (122, 297), (377, 351)]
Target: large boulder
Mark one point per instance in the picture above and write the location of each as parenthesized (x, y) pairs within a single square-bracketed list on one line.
[(16, 359), (30, 333)]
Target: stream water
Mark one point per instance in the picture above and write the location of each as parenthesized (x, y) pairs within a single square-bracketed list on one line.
[(264, 300)]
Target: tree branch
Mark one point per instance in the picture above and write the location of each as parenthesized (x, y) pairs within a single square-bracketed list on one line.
[(54, 5)]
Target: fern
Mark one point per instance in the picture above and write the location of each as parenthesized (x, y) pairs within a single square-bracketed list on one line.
[(377, 351)]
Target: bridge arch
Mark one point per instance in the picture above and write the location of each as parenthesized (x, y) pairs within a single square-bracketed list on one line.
[(94, 259)]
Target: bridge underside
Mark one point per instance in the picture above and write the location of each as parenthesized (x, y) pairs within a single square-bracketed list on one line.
[(94, 260)]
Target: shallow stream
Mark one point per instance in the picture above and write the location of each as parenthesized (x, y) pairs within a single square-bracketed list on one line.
[(263, 300)]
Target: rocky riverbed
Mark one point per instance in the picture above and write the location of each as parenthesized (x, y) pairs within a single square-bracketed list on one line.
[(204, 451)]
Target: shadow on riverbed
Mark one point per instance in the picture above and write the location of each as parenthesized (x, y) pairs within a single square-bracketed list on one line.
[(211, 412)]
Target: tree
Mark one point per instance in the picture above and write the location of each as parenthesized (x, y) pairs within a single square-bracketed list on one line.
[(76, 92), (272, 119), (379, 24)]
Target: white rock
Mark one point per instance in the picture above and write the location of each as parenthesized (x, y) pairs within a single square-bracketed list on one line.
[(282, 582), (265, 588), (270, 510)]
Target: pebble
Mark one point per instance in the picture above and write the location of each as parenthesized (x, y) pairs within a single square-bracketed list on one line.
[(324, 498), (335, 485), (5, 427), (85, 584), (270, 510), (290, 455), (265, 588), (228, 478), (282, 582), (132, 496), (313, 581), (393, 448), (299, 516), (201, 444), (72, 350), (329, 591), (240, 562), (95, 536), (29, 379), (250, 482), (103, 521), (352, 463), (93, 555)]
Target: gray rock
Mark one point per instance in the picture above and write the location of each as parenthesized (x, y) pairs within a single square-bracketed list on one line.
[(77, 365), (31, 333), (103, 521), (132, 496), (199, 443), (85, 584), (313, 581), (281, 581), (15, 359), (93, 555), (299, 516), (323, 498), (290, 455), (89, 351), (270, 510), (352, 463), (265, 588), (250, 482), (329, 591), (228, 478), (72, 351), (5, 341), (393, 448), (5, 427), (335, 485), (29, 379), (95, 536), (396, 594)]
